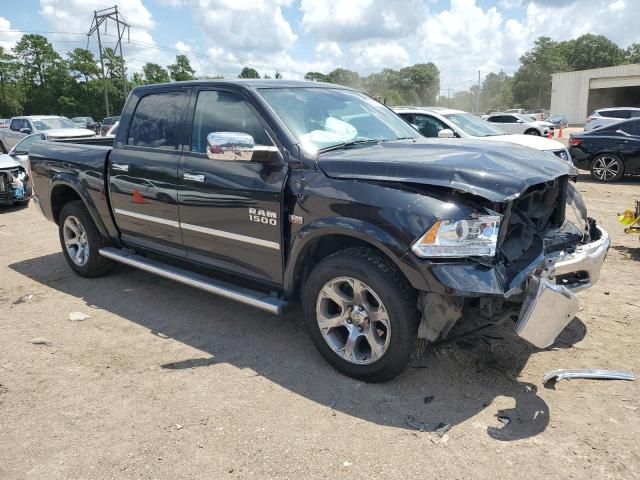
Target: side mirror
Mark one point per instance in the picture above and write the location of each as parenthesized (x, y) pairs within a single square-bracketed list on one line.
[(25, 130), (446, 133), (230, 146), (519, 121)]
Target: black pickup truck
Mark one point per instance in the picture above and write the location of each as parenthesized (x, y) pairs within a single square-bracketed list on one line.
[(274, 192)]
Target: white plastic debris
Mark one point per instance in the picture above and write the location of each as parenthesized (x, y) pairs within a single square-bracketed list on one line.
[(78, 316), (41, 341)]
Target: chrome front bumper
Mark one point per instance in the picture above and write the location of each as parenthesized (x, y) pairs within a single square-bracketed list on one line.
[(551, 303)]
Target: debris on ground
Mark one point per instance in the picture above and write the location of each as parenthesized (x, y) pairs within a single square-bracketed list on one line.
[(346, 464), (23, 299), (428, 399), (41, 341), (590, 373), (78, 316), (442, 428), (179, 427), (504, 419)]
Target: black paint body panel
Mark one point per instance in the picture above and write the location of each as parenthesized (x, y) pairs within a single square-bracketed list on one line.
[(387, 195)]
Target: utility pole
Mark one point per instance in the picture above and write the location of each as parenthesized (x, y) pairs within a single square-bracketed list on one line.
[(101, 17), (478, 96)]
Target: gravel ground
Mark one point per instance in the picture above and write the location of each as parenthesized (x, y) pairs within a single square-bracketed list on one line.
[(164, 381)]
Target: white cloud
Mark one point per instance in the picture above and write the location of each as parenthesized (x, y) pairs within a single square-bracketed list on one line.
[(183, 47), (7, 39), (374, 57), (355, 20), (331, 49), (77, 15)]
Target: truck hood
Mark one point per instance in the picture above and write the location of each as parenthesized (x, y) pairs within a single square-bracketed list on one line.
[(68, 133), (493, 170), (533, 141), (7, 161)]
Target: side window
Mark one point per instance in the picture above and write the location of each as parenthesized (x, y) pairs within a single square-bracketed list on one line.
[(15, 125), (25, 144), (218, 111), (25, 124), (632, 128), (496, 119), (407, 117), (157, 120), (428, 125), (617, 113)]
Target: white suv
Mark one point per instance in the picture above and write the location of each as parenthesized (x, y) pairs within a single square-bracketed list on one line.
[(517, 123), (609, 116), (448, 123)]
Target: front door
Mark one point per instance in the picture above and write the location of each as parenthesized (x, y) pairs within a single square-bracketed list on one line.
[(230, 210), (143, 173)]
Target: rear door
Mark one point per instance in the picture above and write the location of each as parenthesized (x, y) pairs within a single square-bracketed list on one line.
[(230, 210), (143, 172), (629, 145)]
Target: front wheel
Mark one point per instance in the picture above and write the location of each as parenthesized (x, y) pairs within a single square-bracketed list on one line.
[(81, 241), (607, 167), (533, 131), (361, 314)]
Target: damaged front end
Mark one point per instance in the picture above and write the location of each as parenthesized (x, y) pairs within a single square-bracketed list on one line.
[(547, 250), (14, 186)]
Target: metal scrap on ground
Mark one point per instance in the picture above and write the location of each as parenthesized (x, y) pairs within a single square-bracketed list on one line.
[(592, 373)]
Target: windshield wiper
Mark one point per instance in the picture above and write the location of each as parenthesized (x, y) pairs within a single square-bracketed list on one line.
[(349, 144)]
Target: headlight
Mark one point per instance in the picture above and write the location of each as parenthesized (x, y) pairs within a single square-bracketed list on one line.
[(460, 238)]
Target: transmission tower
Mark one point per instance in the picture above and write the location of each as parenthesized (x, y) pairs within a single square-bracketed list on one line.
[(101, 17)]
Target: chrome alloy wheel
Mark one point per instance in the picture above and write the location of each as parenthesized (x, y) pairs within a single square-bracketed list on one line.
[(353, 320), (605, 168), (75, 241)]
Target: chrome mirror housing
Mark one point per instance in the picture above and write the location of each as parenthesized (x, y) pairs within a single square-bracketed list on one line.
[(229, 146), (446, 133)]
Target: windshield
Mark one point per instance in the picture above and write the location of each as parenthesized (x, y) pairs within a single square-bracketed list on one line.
[(325, 117), (51, 123), (474, 126)]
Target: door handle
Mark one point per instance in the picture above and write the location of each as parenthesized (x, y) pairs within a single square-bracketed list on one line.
[(120, 167), (193, 177)]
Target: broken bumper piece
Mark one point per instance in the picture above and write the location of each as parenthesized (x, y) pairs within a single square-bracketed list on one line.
[(594, 373), (550, 303)]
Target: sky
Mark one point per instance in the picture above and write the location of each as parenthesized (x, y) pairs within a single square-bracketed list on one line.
[(461, 37)]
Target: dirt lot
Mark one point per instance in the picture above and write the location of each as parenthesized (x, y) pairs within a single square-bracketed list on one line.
[(164, 381)]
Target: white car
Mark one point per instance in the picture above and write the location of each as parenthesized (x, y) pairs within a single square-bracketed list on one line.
[(20, 127), (449, 123), (608, 116), (520, 123)]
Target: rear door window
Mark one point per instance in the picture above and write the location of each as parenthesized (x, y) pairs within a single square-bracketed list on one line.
[(631, 128), (157, 121), (616, 113), (15, 125)]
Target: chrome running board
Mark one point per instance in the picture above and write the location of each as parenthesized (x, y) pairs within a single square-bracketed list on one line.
[(243, 295)]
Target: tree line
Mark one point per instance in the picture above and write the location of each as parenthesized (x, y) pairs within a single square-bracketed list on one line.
[(530, 86), (35, 79)]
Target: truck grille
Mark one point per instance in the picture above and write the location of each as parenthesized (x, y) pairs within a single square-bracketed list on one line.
[(539, 209)]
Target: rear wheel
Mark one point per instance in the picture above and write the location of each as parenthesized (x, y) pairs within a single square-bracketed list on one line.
[(361, 314), (533, 131), (81, 241), (607, 167)]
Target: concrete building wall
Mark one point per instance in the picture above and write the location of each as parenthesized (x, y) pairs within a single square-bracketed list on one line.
[(570, 90)]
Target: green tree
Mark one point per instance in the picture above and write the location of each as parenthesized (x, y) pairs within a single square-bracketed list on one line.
[(632, 53), (345, 77), (154, 73), (10, 93), (591, 51), (181, 70), (421, 81), (532, 81), (315, 77), (248, 72), (496, 93)]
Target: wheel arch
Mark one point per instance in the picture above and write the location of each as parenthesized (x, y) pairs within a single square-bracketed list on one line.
[(66, 188), (316, 242)]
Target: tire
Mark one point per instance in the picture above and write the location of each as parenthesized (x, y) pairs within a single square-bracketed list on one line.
[(387, 295), (607, 168), (90, 264), (533, 131), (22, 203)]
